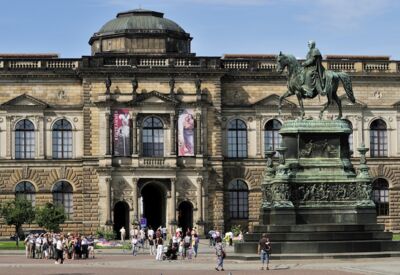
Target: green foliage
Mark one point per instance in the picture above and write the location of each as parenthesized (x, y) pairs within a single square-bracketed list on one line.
[(17, 212), (235, 229), (50, 216), (105, 233), (396, 237), (10, 245)]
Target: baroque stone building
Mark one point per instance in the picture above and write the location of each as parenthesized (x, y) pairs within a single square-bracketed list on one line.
[(144, 127)]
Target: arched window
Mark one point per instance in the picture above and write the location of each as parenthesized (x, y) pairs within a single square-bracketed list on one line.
[(378, 138), (238, 199), (351, 135), (24, 139), (237, 139), (62, 139), (25, 190), (380, 189), (272, 138), (63, 195), (153, 137)]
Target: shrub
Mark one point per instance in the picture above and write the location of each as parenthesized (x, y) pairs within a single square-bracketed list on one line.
[(105, 233), (236, 229)]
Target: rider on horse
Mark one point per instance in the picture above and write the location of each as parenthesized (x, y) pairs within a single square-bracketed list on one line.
[(314, 72)]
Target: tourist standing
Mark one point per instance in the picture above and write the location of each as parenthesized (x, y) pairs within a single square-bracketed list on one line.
[(134, 243), (195, 244), (160, 247), (219, 251), (123, 233), (60, 250), (264, 249)]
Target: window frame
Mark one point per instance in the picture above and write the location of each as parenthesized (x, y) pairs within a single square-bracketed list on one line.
[(66, 151), (64, 195), (380, 196), (26, 193), (274, 136), (152, 133), (24, 139), (238, 194), (378, 139), (237, 139)]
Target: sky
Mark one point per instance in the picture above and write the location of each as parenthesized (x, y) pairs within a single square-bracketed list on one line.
[(344, 27)]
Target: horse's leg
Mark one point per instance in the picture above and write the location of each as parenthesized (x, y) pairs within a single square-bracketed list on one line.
[(329, 98), (282, 97), (339, 104), (298, 94)]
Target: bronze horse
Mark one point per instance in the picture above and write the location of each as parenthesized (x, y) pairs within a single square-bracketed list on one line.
[(296, 80)]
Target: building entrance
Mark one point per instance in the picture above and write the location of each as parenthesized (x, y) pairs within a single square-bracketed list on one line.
[(154, 204), (121, 217), (185, 215)]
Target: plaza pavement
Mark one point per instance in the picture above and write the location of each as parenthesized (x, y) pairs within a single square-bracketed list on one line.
[(119, 262)]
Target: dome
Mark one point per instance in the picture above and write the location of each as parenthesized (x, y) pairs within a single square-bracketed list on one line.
[(140, 20), (140, 31)]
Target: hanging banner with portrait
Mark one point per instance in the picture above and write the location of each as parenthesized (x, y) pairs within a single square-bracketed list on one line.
[(186, 133), (122, 144)]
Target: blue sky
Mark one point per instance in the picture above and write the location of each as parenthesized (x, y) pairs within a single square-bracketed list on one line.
[(352, 27)]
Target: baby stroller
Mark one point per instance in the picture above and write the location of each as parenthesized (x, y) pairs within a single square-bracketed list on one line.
[(171, 253)]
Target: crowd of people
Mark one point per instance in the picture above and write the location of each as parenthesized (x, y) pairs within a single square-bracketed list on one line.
[(58, 246), (180, 245)]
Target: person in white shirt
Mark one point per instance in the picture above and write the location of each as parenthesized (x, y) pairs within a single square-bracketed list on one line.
[(123, 234), (60, 249), (134, 243)]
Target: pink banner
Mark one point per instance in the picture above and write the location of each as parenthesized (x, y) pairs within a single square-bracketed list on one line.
[(122, 132), (186, 133)]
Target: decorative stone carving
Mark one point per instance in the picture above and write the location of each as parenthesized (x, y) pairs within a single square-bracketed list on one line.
[(108, 84), (172, 86)]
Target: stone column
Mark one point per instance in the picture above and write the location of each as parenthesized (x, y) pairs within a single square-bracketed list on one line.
[(108, 200), (200, 199), (198, 134), (173, 201), (135, 200), (172, 136), (9, 122), (39, 134), (259, 135), (134, 134), (108, 133)]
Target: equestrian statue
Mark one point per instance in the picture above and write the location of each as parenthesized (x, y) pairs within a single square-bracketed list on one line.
[(310, 79)]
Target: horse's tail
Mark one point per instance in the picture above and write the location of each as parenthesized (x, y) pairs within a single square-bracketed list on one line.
[(348, 87)]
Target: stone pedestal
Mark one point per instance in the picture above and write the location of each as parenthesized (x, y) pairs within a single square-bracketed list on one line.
[(313, 200)]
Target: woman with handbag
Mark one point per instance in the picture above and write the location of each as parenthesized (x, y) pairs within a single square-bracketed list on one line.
[(219, 251)]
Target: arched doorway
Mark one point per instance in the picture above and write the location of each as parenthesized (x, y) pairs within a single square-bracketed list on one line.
[(154, 204), (121, 217), (185, 215)]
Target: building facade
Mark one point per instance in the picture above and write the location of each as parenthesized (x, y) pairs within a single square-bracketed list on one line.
[(145, 128)]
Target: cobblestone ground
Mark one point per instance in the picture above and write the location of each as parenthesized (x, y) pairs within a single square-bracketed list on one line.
[(143, 264)]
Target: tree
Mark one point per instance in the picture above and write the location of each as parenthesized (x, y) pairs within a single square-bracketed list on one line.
[(17, 212), (50, 216)]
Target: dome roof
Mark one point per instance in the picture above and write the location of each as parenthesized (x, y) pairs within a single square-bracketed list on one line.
[(139, 20)]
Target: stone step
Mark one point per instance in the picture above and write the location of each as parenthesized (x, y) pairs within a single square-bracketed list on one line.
[(321, 236), (310, 256), (318, 228), (322, 246)]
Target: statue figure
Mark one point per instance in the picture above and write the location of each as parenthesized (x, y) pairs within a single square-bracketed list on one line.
[(308, 147), (314, 72), (108, 83), (172, 86), (197, 83), (135, 85), (312, 80)]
